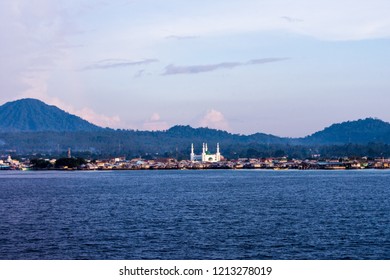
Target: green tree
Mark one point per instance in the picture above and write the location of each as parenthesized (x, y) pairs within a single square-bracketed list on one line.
[(39, 163), (69, 162)]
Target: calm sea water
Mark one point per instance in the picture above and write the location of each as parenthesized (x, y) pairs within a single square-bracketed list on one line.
[(204, 214)]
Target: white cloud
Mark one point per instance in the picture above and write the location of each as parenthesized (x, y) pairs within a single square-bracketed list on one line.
[(214, 119), (99, 119), (155, 123), (155, 117), (37, 88), (36, 85)]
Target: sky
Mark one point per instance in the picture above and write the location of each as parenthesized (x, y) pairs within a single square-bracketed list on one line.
[(283, 67)]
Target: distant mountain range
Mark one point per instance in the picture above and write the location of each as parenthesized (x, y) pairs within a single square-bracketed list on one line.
[(361, 131), (29, 125)]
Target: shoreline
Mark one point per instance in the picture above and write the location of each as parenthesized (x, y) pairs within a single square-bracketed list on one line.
[(167, 169)]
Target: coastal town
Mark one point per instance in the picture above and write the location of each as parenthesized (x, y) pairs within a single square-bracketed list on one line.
[(205, 160)]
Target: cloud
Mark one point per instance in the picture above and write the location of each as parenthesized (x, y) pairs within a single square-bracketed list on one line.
[(176, 37), (36, 39), (142, 73), (155, 117), (90, 115), (139, 74), (265, 60), (155, 123), (98, 119), (292, 19), (195, 69), (37, 88), (116, 63), (323, 19), (36, 84), (214, 119)]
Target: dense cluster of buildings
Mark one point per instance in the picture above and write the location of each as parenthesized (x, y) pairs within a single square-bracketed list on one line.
[(7, 163), (206, 160), (242, 163)]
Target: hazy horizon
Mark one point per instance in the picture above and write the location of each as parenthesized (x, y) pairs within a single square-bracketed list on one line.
[(287, 68)]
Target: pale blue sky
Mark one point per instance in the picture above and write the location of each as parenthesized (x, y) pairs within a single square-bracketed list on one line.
[(287, 68)]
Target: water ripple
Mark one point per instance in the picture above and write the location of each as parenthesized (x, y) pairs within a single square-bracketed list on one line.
[(213, 214)]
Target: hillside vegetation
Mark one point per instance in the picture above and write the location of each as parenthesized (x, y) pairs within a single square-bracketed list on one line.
[(30, 126)]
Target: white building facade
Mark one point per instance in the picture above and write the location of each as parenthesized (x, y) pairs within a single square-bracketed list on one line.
[(206, 156)]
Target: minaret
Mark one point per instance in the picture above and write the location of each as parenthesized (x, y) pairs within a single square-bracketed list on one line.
[(204, 149), (192, 155), (218, 154), (69, 153)]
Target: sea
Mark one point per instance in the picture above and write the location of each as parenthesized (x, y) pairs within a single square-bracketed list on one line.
[(195, 214)]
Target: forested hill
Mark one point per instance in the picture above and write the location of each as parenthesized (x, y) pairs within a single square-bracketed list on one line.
[(214, 135), (357, 132), (31, 126), (34, 115)]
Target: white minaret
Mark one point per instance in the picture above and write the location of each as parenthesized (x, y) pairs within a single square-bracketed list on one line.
[(192, 155), (218, 154), (204, 149)]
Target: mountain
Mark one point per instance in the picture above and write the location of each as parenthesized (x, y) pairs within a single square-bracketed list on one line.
[(30, 126), (362, 131), (34, 115), (215, 135)]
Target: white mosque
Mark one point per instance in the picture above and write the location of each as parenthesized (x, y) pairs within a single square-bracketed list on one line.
[(206, 156)]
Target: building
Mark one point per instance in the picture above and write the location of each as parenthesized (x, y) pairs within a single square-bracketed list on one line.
[(206, 156)]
